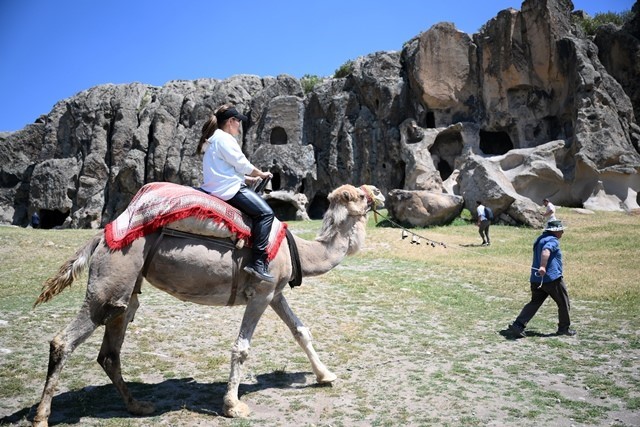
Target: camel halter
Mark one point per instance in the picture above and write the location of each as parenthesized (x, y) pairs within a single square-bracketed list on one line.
[(371, 200)]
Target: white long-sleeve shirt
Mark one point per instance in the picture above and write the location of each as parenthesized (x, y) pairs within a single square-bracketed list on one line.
[(224, 166), (482, 215), (550, 212)]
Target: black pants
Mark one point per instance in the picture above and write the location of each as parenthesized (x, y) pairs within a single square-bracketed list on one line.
[(261, 215), (558, 292), (483, 230)]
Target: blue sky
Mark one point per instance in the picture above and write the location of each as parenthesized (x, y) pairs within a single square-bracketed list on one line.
[(52, 49)]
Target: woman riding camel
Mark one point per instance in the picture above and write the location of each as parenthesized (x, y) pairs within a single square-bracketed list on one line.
[(224, 167)]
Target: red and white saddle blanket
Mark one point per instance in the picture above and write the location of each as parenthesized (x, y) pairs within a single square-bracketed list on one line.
[(160, 204)]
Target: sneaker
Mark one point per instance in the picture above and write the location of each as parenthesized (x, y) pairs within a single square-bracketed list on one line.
[(566, 331), (258, 270), (517, 331), (484, 244)]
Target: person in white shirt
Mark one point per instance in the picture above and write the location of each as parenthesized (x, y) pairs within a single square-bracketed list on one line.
[(550, 211), (483, 223), (225, 169)]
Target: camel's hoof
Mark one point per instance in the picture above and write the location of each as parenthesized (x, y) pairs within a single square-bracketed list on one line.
[(327, 378), (141, 408), (237, 410)]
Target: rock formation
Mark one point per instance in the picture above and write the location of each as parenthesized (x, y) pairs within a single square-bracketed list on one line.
[(525, 109)]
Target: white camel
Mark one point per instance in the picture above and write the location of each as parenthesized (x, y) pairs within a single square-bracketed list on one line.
[(198, 271)]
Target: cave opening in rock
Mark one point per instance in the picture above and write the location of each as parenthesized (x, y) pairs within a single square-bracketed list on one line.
[(52, 218), (495, 143), (431, 120), (402, 168), (278, 136), (318, 206), (445, 150), (276, 182), (444, 169), (284, 211)]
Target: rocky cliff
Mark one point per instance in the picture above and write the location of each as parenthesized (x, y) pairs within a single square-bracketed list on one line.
[(527, 108)]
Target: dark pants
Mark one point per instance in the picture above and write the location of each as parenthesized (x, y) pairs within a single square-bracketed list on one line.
[(483, 229), (558, 292), (261, 215)]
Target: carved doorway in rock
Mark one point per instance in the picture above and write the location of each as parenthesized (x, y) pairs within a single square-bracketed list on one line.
[(278, 136), (445, 150), (495, 143), (52, 218)]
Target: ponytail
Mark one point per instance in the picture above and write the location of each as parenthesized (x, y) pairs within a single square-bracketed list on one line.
[(208, 129)]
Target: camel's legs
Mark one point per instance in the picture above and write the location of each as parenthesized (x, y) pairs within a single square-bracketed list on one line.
[(303, 336), (109, 357), (61, 348), (233, 407)]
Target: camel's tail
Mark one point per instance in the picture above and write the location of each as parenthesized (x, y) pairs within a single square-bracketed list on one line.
[(69, 271)]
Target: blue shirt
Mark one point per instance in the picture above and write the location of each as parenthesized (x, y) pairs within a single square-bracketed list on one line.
[(554, 265)]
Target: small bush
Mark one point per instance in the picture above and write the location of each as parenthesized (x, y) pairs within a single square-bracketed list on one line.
[(344, 70), (590, 24), (309, 82)]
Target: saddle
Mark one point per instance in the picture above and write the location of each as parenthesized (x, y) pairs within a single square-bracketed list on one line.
[(188, 210), (182, 211)]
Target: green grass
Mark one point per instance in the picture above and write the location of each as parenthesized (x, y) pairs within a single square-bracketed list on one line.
[(395, 322)]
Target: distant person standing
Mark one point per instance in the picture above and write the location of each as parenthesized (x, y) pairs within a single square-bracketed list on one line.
[(483, 223), (546, 280), (35, 220), (550, 211)]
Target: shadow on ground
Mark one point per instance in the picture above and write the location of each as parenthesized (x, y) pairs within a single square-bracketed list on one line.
[(530, 333), (104, 402)]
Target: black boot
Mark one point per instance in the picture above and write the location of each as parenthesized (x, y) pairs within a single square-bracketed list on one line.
[(260, 269), (566, 331)]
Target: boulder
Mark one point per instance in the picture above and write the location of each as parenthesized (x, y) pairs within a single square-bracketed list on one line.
[(526, 108), (288, 205)]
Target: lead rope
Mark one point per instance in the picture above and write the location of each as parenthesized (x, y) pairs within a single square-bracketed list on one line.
[(540, 276), (415, 239)]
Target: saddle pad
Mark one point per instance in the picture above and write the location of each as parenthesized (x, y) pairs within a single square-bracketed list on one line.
[(160, 204)]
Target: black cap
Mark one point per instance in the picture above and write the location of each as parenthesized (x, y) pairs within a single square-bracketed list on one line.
[(230, 112)]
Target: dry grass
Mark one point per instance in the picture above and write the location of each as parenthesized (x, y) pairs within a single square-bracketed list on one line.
[(414, 333), (600, 251)]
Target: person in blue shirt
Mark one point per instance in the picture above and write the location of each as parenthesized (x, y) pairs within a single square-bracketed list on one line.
[(546, 280), (226, 171)]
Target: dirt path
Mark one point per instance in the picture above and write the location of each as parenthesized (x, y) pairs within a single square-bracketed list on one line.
[(424, 350)]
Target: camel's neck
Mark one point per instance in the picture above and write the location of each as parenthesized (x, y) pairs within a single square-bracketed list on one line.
[(319, 256)]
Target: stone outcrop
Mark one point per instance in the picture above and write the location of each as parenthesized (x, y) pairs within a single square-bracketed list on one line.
[(287, 204), (525, 109), (619, 52)]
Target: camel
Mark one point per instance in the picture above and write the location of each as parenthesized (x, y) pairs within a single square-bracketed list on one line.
[(198, 271)]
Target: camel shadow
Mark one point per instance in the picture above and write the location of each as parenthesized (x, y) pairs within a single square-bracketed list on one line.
[(104, 402), (507, 334)]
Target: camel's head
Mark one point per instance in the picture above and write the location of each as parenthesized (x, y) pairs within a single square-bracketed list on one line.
[(357, 201)]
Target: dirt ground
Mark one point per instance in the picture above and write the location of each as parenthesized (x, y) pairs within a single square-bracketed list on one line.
[(400, 357)]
